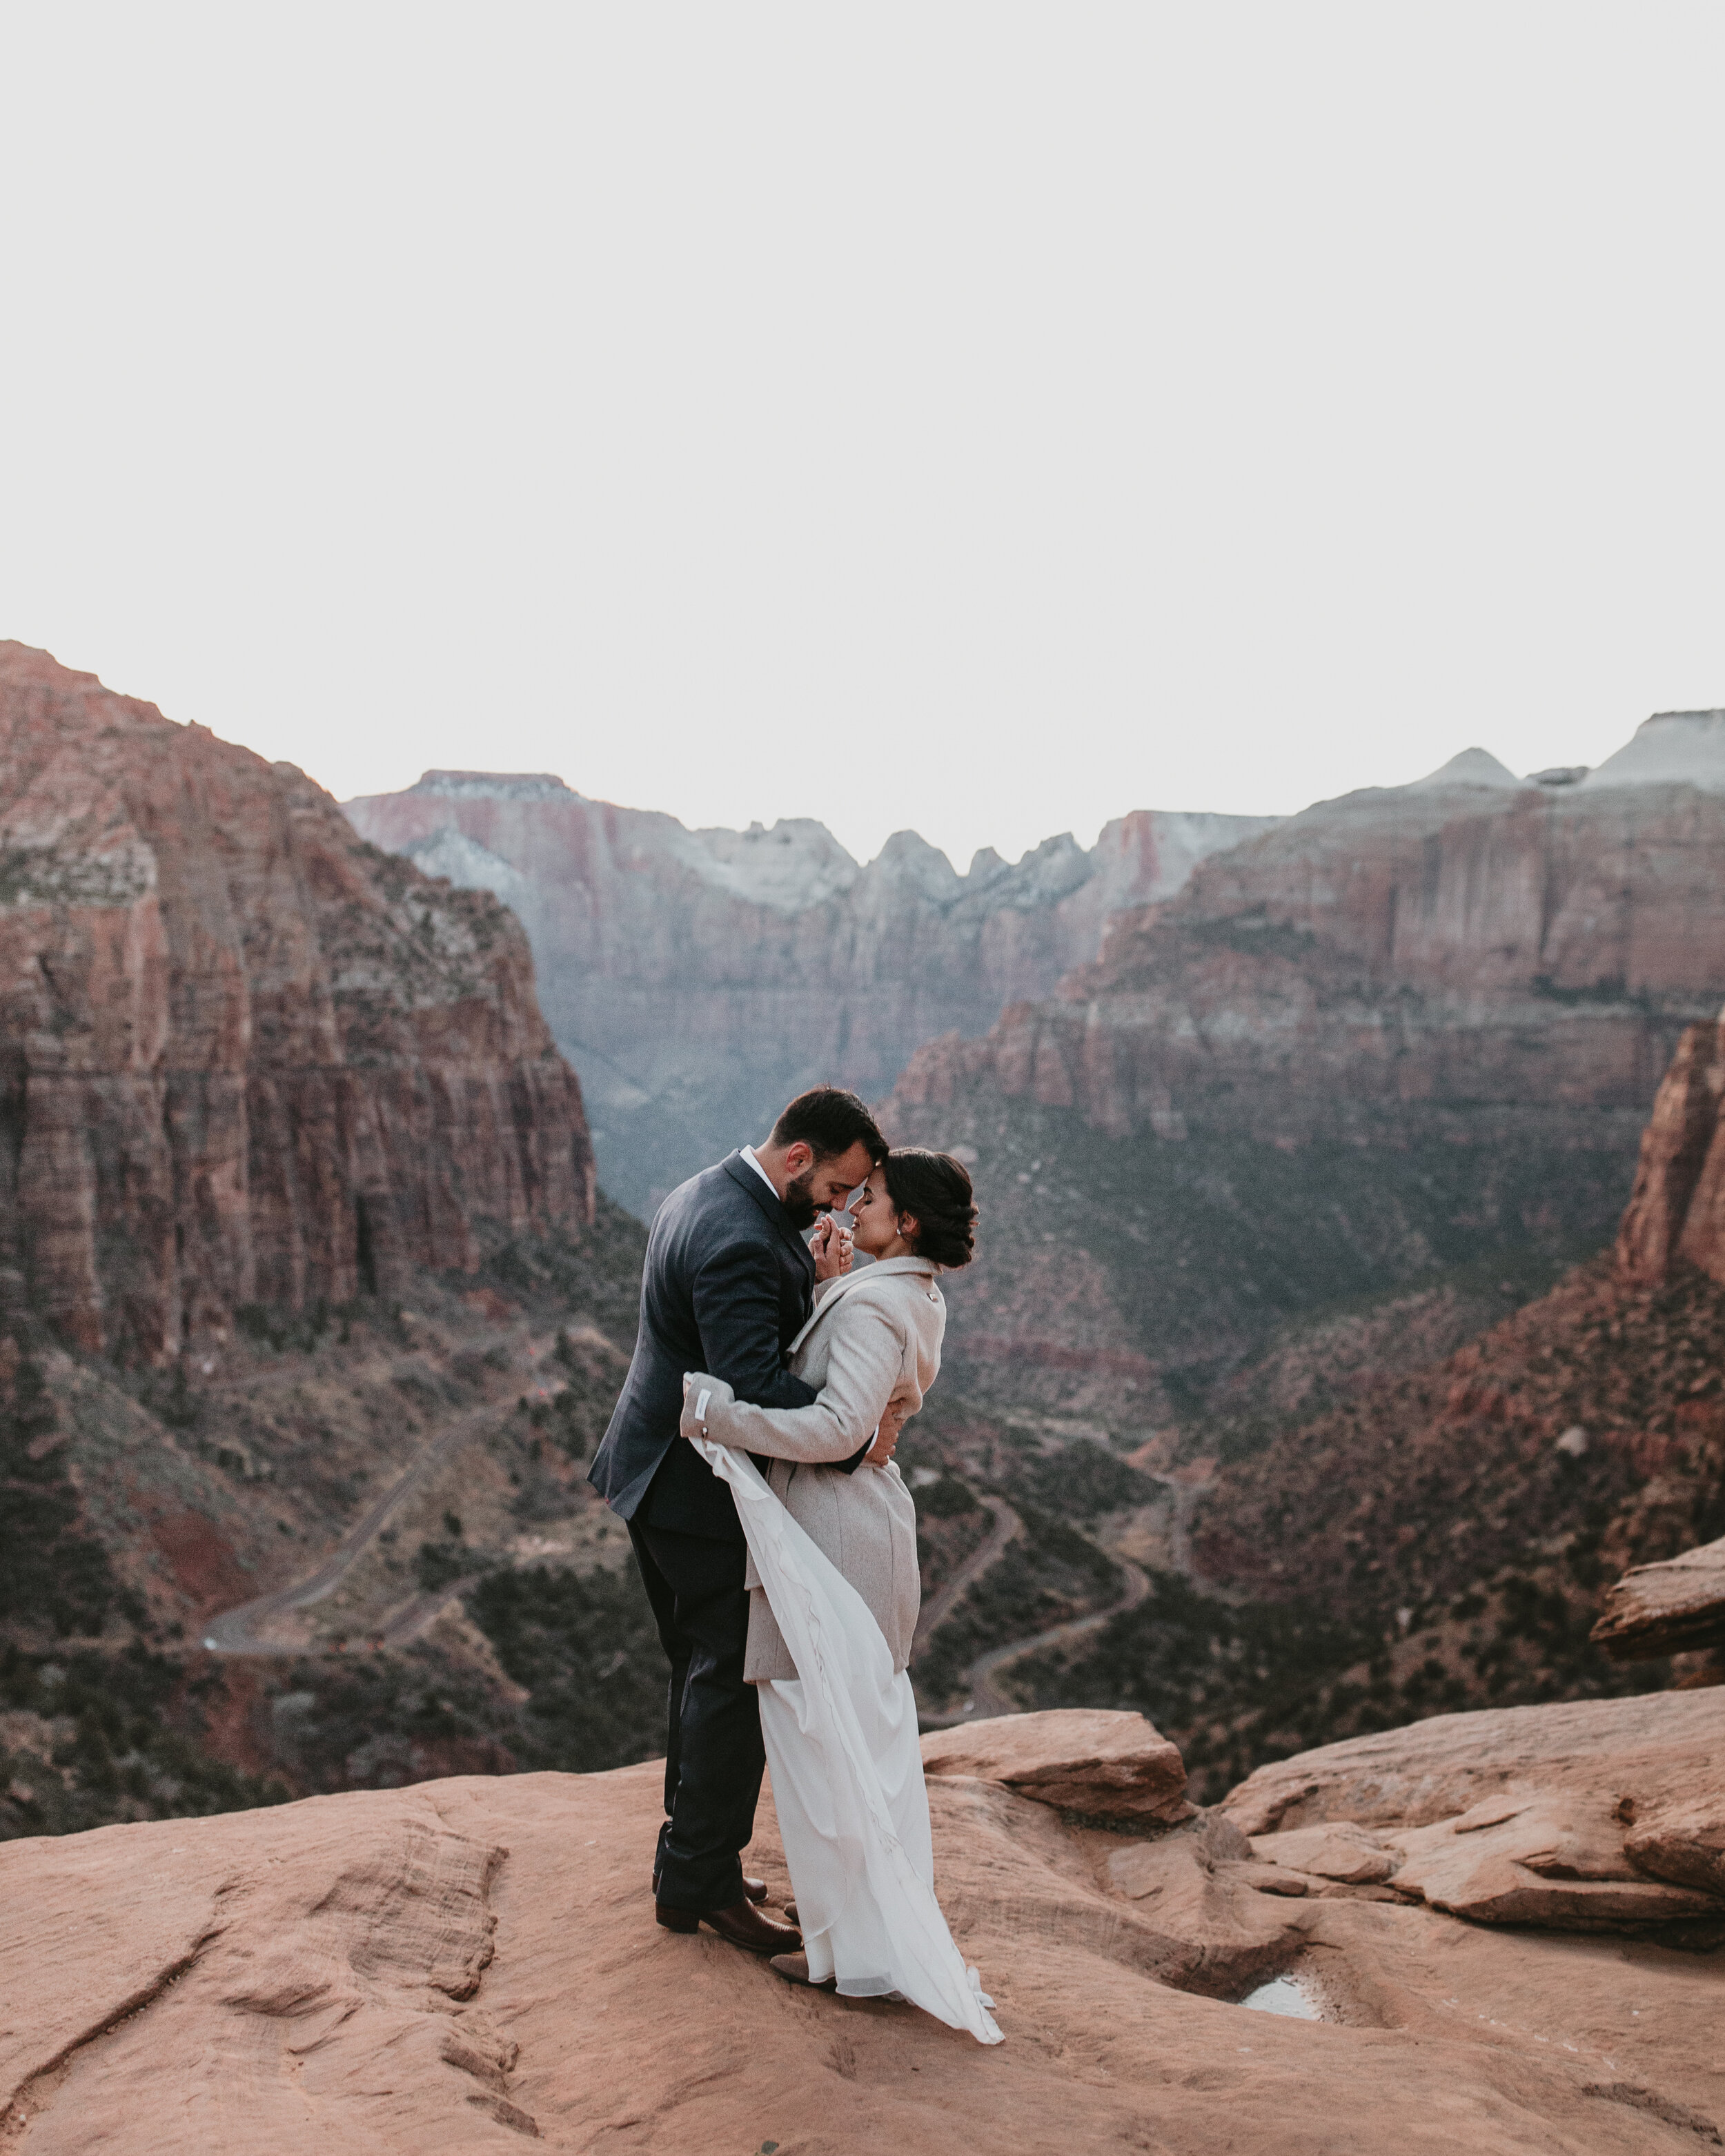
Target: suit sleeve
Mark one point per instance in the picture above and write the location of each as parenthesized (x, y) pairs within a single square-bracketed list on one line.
[(863, 1371), (737, 1313)]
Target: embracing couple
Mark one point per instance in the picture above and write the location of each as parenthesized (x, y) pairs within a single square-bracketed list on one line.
[(751, 1454)]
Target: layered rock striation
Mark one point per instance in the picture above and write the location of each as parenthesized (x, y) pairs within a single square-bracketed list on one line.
[(698, 978), (1401, 1033), (1467, 957), (247, 1058)]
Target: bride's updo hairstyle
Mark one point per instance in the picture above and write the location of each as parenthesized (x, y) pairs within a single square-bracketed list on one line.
[(934, 1189)]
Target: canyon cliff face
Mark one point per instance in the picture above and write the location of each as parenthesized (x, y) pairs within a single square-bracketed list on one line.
[(1466, 955), (247, 1057), (697, 979), (1399, 1032), (1676, 1212)]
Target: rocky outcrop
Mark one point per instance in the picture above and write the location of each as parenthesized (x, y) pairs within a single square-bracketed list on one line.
[(1595, 1816), (472, 1964), (1676, 1210), (1673, 1608), (247, 1057), (698, 978), (1106, 1765)]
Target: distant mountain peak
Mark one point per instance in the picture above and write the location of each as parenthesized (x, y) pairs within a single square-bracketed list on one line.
[(1672, 748), (492, 785), (1473, 767)]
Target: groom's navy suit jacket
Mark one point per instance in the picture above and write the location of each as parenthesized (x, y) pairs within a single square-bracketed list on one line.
[(727, 1285)]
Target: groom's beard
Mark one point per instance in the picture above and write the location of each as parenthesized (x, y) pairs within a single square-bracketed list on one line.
[(799, 1201)]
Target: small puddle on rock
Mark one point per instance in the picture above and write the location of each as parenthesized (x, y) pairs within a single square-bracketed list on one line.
[(1291, 1995)]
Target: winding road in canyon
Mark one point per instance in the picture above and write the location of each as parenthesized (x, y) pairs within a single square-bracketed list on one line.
[(985, 1699), (236, 1631)]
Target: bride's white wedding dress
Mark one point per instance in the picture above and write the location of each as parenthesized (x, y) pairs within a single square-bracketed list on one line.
[(847, 1777)]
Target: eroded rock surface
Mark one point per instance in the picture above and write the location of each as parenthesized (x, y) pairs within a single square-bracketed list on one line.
[(1668, 1608), (472, 1963), (1085, 1759), (1593, 1815)]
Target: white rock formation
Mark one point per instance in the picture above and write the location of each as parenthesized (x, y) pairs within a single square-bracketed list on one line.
[(1672, 748)]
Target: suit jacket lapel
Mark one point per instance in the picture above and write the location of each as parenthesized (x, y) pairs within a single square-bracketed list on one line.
[(740, 1174)]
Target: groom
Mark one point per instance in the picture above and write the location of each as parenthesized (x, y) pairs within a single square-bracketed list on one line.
[(728, 1284)]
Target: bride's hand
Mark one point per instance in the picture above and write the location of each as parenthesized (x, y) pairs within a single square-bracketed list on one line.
[(831, 1249)]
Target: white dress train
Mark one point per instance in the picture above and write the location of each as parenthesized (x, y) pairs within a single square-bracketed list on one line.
[(847, 1777)]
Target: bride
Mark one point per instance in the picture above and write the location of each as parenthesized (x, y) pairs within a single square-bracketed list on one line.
[(834, 1593)]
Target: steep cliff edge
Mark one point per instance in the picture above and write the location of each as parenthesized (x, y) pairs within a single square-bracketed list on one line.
[(698, 978), (247, 1058)]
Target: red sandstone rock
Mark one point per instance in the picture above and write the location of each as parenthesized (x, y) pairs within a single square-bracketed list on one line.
[(247, 1058), (1107, 1765), (472, 1964), (1682, 1840), (1658, 1746), (1439, 959), (1675, 1149), (1668, 1608)]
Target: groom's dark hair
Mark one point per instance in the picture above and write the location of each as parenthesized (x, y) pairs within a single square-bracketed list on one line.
[(829, 1122)]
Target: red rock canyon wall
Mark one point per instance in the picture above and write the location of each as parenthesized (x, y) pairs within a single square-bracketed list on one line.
[(246, 1057)]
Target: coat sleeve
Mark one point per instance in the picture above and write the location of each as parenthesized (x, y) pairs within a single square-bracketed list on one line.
[(736, 1299), (863, 1371)]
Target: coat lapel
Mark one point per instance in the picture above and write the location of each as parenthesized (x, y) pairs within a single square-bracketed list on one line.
[(740, 1174), (882, 1269)]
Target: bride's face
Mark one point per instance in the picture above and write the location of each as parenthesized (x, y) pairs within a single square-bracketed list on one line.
[(875, 1216)]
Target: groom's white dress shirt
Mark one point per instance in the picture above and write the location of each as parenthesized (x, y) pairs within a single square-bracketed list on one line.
[(748, 1154)]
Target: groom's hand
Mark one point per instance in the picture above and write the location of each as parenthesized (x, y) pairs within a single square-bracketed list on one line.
[(886, 1437)]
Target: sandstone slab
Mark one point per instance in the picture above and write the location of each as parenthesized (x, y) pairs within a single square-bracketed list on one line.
[(1103, 1764), (1683, 1840), (1668, 1608), (1658, 1745), (1341, 1851), (472, 1964)]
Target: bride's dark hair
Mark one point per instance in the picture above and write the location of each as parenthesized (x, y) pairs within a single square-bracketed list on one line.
[(934, 1189)]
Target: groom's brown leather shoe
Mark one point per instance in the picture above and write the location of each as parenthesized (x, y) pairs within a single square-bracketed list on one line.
[(742, 1924), (756, 1889)]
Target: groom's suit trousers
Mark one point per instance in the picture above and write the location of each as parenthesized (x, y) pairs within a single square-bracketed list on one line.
[(714, 1757)]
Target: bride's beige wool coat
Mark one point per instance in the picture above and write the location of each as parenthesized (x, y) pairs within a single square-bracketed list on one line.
[(874, 1338)]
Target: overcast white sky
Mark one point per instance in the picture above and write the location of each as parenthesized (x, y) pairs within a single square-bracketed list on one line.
[(977, 417)]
